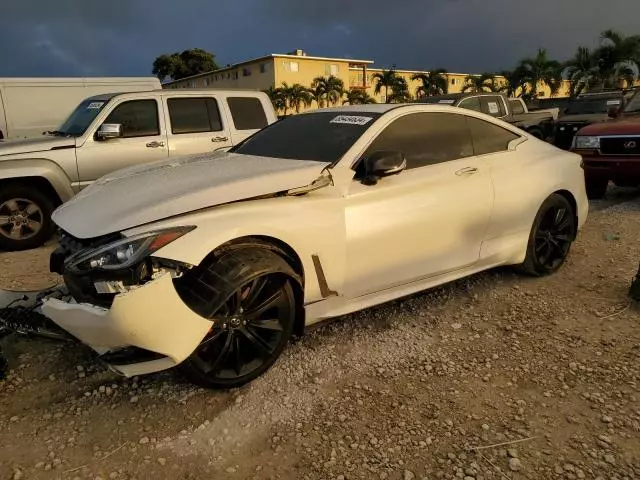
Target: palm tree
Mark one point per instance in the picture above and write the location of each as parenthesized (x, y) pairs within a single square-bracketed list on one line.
[(582, 71), (480, 83), (318, 96), (386, 79), (433, 83), (277, 98), (357, 96), (618, 58), (298, 95), (329, 89), (541, 70), (399, 92), (515, 83)]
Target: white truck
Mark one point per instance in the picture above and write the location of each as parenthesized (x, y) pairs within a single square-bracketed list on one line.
[(31, 106), (110, 132)]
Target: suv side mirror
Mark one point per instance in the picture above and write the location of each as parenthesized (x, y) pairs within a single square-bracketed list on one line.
[(613, 112), (383, 164), (107, 131)]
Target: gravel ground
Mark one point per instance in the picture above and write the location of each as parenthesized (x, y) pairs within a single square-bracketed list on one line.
[(494, 377)]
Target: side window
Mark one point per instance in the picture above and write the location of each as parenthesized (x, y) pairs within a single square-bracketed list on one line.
[(247, 113), (426, 138), (516, 107), (194, 115), (489, 138), (492, 106), (139, 118), (472, 103)]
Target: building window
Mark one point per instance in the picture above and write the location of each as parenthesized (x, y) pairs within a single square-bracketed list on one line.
[(291, 66), (454, 81), (263, 68), (246, 72), (332, 69), (235, 75)]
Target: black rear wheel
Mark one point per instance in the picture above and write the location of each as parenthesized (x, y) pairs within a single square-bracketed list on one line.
[(554, 230), (253, 308)]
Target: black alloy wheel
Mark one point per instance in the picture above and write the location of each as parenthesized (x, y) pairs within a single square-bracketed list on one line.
[(553, 232), (251, 327)]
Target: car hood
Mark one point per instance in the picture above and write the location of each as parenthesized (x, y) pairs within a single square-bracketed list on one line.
[(135, 196), (31, 145), (621, 126), (586, 118)]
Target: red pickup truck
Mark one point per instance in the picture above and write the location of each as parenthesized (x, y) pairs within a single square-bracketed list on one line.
[(611, 150)]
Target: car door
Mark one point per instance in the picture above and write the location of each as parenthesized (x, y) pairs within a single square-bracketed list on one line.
[(195, 125), (427, 220), (143, 140), (514, 177)]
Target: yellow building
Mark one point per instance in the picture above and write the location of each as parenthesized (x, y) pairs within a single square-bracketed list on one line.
[(298, 67)]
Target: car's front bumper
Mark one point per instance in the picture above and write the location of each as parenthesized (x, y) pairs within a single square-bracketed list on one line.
[(151, 317)]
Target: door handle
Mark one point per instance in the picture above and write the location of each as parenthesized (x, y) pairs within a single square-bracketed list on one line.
[(155, 144), (464, 172), (219, 139)]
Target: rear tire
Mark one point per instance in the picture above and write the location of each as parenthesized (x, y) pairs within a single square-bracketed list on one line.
[(249, 295), (25, 217), (596, 187), (554, 230)]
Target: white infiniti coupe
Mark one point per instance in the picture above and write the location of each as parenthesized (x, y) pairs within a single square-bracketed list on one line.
[(212, 262)]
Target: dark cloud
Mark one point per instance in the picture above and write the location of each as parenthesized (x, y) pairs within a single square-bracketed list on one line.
[(122, 37)]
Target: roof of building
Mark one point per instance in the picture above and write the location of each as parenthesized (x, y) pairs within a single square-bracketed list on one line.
[(268, 57)]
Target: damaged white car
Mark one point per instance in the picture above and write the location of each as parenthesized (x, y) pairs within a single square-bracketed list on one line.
[(212, 262)]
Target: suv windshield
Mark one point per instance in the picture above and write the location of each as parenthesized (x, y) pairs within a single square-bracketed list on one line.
[(588, 106), (320, 137), (78, 122)]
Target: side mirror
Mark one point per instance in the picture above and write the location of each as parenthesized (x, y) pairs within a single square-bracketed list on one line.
[(613, 112), (108, 131), (383, 164)]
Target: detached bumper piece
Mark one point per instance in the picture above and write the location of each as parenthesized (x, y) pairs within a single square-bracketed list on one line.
[(147, 329)]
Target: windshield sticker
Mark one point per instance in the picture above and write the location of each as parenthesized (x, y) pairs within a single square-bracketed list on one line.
[(446, 102), (493, 107), (613, 102), (351, 120), (95, 105)]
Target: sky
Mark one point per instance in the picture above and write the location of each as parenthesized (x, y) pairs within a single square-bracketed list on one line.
[(123, 37)]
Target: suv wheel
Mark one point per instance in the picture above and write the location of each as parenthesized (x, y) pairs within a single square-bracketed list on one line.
[(596, 187), (25, 217)]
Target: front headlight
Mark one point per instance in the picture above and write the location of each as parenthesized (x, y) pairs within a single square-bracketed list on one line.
[(125, 252), (583, 142)]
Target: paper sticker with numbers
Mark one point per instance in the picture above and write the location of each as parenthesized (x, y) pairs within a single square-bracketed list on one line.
[(94, 105), (493, 107), (447, 101), (351, 119), (613, 102)]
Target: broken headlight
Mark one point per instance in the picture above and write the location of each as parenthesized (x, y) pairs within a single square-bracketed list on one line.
[(125, 252)]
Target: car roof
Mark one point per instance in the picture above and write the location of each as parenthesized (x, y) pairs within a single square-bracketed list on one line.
[(371, 108), (456, 96)]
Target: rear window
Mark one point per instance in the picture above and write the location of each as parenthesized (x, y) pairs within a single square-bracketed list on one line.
[(589, 106), (194, 115), (516, 107), (247, 113), (321, 137)]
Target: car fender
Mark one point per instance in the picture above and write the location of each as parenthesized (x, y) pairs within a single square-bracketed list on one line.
[(38, 167), (311, 225)]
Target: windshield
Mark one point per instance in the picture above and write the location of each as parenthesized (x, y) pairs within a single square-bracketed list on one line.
[(319, 137), (634, 105), (592, 105), (81, 118)]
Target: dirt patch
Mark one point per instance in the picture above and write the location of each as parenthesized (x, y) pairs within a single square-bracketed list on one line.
[(400, 391)]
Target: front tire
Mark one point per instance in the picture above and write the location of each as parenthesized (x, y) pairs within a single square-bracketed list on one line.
[(249, 295), (554, 230), (25, 217), (596, 187)]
